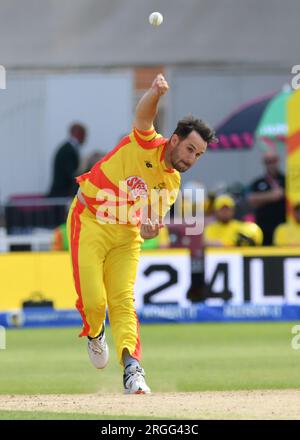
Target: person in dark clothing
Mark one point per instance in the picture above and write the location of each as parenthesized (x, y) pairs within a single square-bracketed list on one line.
[(267, 197), (66, 163)]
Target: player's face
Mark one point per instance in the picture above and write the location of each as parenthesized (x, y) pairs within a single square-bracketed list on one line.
[(271, 161), (185, 152), (225, 214)]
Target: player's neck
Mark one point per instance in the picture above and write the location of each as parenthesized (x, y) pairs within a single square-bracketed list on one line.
[(167, 158)]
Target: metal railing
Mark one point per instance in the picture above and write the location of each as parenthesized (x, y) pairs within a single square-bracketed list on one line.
[(38, 241), (27, 222), (23, 215)]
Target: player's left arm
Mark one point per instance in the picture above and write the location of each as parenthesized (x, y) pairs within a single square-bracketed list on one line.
[(146, 108), (149, 229), (151, 223), (154, 214)]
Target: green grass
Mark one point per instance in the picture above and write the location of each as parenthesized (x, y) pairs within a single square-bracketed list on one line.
[(30, 415), (192, 357)]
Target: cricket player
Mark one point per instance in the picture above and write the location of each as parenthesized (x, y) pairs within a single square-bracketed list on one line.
[(110, 217)]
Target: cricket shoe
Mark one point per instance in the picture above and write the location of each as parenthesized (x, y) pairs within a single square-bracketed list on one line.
[(134, 381), (98, 350)]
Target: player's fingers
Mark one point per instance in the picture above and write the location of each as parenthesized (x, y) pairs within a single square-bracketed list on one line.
[(163, 89), (151, 229), (158, 79), (156, 228), (160, 76), (147, 229), (161, 84), (148, 221)]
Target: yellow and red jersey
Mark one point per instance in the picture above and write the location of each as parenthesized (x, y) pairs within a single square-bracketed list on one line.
[(129, 178)]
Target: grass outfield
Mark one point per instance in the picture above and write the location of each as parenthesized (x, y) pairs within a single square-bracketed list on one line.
[(30, 415), (177, 358)]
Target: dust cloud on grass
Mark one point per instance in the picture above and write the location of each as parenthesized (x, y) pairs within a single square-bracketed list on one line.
[(262, 404)]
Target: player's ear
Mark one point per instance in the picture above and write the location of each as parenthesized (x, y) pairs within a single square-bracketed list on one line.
[(174, 140)]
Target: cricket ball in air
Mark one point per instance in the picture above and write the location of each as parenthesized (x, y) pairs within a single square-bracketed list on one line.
[(156, 18)]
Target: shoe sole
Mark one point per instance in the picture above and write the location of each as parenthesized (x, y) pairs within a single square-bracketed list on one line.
[(127, 392), (100, 368)]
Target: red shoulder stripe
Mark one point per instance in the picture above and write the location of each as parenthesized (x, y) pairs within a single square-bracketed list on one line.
[(145, 132), (149, 144)]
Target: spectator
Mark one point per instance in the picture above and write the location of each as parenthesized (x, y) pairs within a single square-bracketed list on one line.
[(60, 239), (226, 231), (243, 211), (267, 197), (288, 234), (66, 163)]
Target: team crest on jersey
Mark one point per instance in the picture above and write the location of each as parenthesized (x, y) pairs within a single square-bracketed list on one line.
[(137, 187), (160, 186)]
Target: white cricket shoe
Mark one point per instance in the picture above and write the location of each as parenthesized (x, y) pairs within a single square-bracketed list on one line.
[(134, 381), (98, 351)]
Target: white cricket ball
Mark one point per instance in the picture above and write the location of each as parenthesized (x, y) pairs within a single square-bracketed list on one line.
[(156, 18)]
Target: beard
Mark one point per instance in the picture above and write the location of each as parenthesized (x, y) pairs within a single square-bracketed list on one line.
[(177, 162), (180, 166)]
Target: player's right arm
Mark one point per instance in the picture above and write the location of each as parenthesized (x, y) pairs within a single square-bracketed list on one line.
[(146, 108)]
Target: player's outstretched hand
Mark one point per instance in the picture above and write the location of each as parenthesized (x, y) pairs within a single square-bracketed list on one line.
[(160, 85), (150, 230)]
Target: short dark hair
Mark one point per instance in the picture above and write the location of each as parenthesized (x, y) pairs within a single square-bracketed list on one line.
[(188, 124)]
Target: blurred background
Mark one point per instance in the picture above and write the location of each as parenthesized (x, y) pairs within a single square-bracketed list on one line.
[(75, 70)]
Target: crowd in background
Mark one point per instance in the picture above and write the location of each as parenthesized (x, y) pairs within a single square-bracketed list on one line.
[(234, 215)]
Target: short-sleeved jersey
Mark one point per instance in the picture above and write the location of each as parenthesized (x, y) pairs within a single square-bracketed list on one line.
[(130, 178), (287, 234), (225, 233), (234, 233)]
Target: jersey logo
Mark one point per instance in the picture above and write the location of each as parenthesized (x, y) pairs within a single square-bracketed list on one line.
[(148, 164), (160, 186), (137, 187)]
